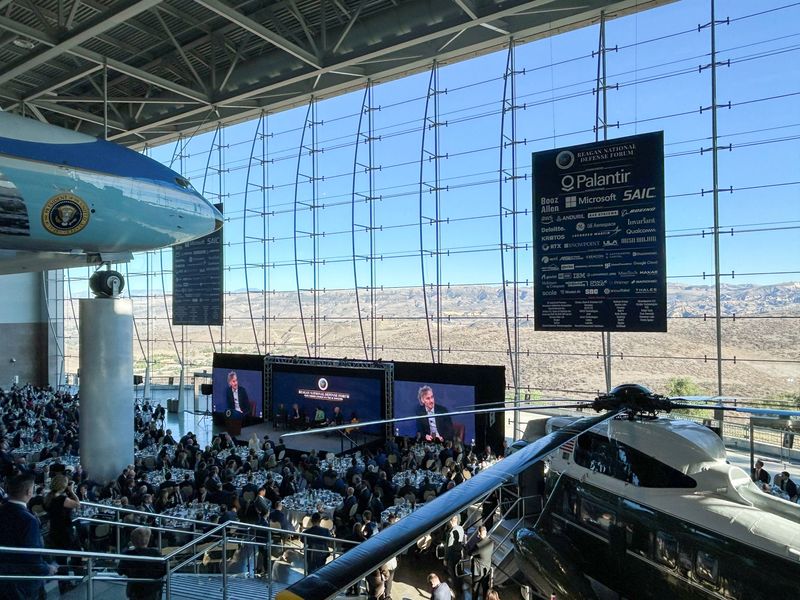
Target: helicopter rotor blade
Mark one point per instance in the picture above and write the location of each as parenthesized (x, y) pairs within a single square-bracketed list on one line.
[(338, 575), (765, 412), (455, 413)]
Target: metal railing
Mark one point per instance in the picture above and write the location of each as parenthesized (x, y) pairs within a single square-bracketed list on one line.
[(223, 537)]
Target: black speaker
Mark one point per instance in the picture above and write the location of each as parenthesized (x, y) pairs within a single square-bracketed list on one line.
[(137, 380), (206, 389)]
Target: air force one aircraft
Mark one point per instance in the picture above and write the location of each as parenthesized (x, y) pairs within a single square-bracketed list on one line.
[(68, 199)]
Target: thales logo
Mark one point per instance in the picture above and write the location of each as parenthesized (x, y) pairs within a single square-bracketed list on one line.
[(322, 384)]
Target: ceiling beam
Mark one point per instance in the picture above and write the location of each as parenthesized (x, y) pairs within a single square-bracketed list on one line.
[(91, 28), (98, 59), (258, 29)]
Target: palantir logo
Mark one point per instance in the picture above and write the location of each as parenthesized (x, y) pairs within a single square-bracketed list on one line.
[(565, 159), (322, 384), (567, 183)]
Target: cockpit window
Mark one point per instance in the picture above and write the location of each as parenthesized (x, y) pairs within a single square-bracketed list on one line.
[(620, 461), (184, 183)]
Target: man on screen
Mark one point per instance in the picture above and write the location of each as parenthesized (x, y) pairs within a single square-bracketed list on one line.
[(433, 429), (237, 400)]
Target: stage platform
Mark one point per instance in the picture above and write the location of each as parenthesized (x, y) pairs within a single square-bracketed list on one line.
[(332, 441)]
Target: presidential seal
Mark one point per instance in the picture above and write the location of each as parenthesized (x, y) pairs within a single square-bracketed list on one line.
[(65, 214)]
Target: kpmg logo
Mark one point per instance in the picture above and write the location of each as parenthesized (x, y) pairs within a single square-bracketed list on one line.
[(565, 159)]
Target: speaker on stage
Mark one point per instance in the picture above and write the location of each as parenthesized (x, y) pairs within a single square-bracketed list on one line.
[(206, 389)]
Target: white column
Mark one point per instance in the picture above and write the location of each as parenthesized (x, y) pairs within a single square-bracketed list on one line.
[(106, 359)]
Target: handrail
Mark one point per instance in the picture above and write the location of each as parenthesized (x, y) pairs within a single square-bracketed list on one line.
[(77, 553)]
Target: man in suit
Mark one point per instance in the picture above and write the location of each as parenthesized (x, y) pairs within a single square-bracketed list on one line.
[(317, 550), (433, 429), (20, 529), (236, 399), (439, 589), (480, 551), (758, 473), (139, 569)]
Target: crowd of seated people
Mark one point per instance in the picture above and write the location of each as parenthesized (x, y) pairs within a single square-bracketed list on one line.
[(39, 425), (780, 485)]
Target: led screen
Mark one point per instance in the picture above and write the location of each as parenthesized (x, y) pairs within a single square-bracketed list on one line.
[(357, 397), (446, 397), (248, 398)]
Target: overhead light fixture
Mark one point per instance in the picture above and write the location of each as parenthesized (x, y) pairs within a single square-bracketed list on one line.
[(24, 43)]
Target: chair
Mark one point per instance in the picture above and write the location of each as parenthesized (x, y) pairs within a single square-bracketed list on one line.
[(254, 464), (353, 511), (249, 496), (327, 523), (330, 456), (281, 454), (306, 522), (150, 462), (392, 458), (398, 501), (100, 537)]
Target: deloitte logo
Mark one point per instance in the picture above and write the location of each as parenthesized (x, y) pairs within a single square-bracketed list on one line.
[(565, 159)]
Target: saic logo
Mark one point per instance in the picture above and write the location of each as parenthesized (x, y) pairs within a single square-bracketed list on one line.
[(322, 384)]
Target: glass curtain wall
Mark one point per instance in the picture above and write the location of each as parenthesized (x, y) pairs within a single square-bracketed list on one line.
[(395, 222)]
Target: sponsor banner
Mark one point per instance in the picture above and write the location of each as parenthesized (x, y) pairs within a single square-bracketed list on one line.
[(598, 234), (197, 281)]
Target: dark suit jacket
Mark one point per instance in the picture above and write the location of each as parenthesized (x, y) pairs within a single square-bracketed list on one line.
[(139, 569), (20, 529), (481, 553), (244, 401), (444, 425)]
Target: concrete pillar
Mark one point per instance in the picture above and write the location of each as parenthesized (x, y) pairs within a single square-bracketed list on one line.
[(106, 359), (181, 400)]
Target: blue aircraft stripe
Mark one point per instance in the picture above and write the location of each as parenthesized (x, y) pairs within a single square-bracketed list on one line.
[(100, 156)]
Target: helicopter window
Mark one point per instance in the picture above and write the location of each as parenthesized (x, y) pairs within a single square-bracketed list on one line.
[(685, 559), (622, 462), (706, 567), (597, 516), (666, 549)]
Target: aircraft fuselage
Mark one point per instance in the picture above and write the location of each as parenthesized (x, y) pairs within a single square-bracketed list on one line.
[(63, 192)]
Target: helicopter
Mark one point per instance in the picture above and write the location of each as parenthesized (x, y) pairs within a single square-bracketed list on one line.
[(638, 505)]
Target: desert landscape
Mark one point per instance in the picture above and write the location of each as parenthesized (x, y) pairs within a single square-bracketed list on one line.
[(760, 337)]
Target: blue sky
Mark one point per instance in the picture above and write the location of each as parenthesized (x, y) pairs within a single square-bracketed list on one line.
[(657, 66)]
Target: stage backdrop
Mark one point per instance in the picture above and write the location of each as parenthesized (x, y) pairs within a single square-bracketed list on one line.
[(359, 397)]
